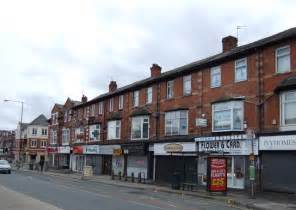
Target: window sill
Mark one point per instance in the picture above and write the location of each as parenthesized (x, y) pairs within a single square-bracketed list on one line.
[(282, 73), (213, 87), (224, 131), (186, 95), (288, 128), (141, 139), (240, 81)]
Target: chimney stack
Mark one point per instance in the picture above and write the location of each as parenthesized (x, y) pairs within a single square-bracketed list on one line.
[(228, 43), (83, 99), (155, 70), (112, 86)]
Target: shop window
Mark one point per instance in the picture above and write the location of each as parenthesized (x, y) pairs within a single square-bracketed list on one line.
[(228, 116), (114, 129), (241, 71), (94, 132), (288, 110), (283, 63), (176, 123), (236, 172), (140, 127)]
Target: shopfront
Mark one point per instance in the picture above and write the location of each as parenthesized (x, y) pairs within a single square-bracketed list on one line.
[(92, 158), (175, 158), (63, 157), (278, 155), (106, 152), (52, 160), (77, 159), (235, 148)]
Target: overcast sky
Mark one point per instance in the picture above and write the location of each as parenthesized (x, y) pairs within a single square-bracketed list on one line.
[(51, 50)]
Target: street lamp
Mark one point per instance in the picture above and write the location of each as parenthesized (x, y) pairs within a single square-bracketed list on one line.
[(21, 123)]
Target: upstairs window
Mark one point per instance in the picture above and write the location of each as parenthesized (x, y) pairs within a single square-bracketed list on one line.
[(170, 89), (136, 98), (43, 144), (101, 107), (114, 129), (92, 110), (187, 85), (65, 136), (34, 131), (94, 132), (283, 63), (149, 95), (176, 123), (53, 137), (44, 132), (288, 109), (120, 102), (241, 70), (111, 105), (34, 143), (228, 116), (215, 77), (140, 127)]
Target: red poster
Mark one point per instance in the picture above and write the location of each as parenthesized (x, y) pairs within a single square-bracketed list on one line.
[(218, 174), (78, 150)]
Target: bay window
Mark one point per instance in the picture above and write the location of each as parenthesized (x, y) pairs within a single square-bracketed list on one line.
[(94, 132), (176, 123), (228, 116), (288, 109), (114, 129), (140, 127)]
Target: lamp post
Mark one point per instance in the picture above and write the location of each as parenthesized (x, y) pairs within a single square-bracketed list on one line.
[(21, 123)]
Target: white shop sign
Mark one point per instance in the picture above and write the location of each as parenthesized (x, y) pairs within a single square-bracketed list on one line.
[(108, 149), (91, 149), (229, 147), (64, 150), (287, 142), (187, 147), (221, 138)]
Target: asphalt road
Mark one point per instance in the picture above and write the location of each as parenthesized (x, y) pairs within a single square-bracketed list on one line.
[(69, 194)]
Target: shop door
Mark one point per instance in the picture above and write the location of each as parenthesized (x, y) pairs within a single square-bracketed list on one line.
[(279, 171), (236, 172), (107, 164)]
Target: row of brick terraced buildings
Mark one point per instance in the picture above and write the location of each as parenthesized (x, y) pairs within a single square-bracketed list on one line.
[(174, 120)]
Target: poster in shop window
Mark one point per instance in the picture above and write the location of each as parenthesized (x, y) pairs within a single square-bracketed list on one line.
[(217, 173)]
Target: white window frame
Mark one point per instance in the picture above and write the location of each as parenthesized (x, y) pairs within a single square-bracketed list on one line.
[(101, 107), (65, 116), (92, 110), (178, 120), (78, 131), (33, 145), (136, 98), (65, 136), (53, 137), (111, 105), (112, 126), (215, 71), (149, 95), (187, 79), (283, 101), (43, 144), (142, 122), (231, 108), (34, 133), (170, 89), (44, 132), (97, 127), (238, 67), (120, 102), (277, 57)]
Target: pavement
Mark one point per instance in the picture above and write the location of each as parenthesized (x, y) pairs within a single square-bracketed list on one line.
[(240, 200)]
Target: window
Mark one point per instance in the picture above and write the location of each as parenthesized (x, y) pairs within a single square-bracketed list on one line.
[(92, 110), (69, 115), (33, 143), (111, 105), (288, 109), (170, 89), (54, 118), (65, 136), (283, 59), (34, 131), (120, 102), (187, 85), (241, 71), (66, 117), (43, 144), (94, 132), (149, 95), (86, 112), (44, 132), (140, 127), (101, 107), (136, 98), (215, 77), (79, 134), (114, 129), (53, 137), (228, 116), (176, 123)]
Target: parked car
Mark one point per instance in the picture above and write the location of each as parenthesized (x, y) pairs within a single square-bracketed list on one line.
[(5, 167)]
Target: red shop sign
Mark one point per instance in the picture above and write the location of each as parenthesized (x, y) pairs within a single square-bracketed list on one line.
[(78, 150), (52, 149), (217, 171)]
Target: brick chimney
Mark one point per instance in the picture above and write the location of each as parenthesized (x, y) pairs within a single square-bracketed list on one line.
[(228, 43), (83, 99), (112, 86), (155, 70)]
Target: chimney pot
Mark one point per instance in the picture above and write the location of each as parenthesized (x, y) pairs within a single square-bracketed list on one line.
[(155, 70), (83, 99), (228, 43), (112, 86)]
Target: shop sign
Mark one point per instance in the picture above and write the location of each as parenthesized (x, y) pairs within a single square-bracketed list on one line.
[(64, 150), (52, 149), (135, 149), (108, 149), (221, 138), (287, 142), (117, 152), (231, 147), (78, 150), (91, 149), (218, 174), (173, 148)]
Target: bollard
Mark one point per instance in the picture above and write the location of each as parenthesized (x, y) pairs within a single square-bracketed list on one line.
[(133, 177), (119, 175), (125, 177), (139, 177), (112, 175), (144, 178)]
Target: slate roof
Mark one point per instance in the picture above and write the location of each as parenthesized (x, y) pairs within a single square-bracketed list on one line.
[(204, 63), (40, 120)]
